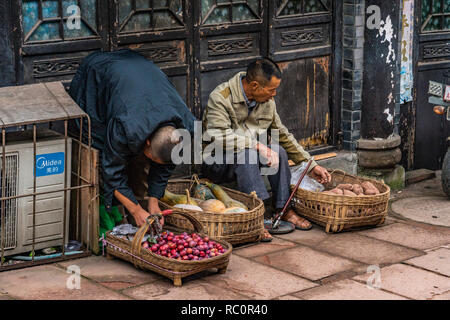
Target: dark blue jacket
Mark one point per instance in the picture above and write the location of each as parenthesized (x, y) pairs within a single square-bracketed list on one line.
[(127, 98)]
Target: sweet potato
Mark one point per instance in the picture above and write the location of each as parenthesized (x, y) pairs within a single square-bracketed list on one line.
[(349, 193), (369, 189), (337, 191), (329, 193), (358, 189), (345, 186)]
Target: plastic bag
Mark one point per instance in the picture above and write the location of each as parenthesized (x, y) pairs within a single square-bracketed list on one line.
[(308, 183), (127, 231)]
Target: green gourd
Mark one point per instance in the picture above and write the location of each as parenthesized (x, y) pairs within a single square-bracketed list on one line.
[(221, 195), (203, 192)]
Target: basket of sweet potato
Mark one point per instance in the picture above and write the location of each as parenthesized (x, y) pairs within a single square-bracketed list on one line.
[(348, 202)]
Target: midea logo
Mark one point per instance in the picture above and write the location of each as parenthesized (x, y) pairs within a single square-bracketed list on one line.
[(42, 162)]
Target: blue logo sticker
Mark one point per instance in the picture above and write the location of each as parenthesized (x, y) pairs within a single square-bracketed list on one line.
[(49, 164)]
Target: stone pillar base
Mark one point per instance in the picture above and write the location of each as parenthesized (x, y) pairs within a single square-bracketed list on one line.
[(379, 159)]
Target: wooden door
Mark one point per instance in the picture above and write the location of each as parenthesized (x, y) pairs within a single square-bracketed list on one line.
[(300, 41), (432, 63), (159, 30), (50, 43), (228, 35)]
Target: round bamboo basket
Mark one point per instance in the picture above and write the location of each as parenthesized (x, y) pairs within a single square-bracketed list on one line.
[(168, 267), (235, 228), (338, 212)]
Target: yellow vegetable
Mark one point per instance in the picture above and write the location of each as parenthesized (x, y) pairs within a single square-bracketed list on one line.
[(189, 200), (221, 195), (173, 199), (213, 205)]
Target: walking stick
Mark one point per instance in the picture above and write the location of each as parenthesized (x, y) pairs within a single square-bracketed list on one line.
[(277, 220)]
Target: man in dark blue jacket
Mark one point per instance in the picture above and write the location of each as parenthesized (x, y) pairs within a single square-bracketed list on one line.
[(134, 110)]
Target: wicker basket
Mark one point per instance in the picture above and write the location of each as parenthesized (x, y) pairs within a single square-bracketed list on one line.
[(168, 267), (338, 213), (235, 228)]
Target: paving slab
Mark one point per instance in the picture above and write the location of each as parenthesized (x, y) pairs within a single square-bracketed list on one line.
[(411, 236), (411, 282), (49, 282), (288, 297), (264, 248), (307, 263), (116, 274), (444, 296), (257, 281), (346, 290), (310, 238), (192, 290), (437, 261), (367, 250)]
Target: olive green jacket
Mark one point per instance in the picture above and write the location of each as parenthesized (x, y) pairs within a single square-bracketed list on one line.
[(227, 113)]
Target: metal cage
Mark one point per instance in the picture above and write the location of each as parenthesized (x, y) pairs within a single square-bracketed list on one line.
[(40, 107)]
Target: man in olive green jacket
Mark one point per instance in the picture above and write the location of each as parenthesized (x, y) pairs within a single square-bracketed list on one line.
[(239, 110)]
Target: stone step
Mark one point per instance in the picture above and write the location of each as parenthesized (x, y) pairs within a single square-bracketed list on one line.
[(418, 175)]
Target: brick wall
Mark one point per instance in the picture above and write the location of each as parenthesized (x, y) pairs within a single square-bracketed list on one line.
[(352, 74)]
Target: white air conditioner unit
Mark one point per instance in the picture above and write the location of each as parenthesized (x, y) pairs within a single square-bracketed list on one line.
[(49, 208)]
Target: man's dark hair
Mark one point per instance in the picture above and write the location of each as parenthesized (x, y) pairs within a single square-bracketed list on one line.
[(262, 71), (162, 142)]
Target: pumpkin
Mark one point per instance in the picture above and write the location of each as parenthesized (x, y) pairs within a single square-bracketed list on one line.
[(221, 195), (213, 205), (234, 210)]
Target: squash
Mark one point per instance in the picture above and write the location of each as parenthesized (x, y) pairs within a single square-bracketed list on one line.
[(213, 205), (234, 210), (221, 195), (203, 192), (190, 200), (188, 207), (173, 199)]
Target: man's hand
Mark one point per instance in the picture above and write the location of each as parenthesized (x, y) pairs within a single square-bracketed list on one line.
[(140, 215), (320, 174), (153, 207), (273, 159)]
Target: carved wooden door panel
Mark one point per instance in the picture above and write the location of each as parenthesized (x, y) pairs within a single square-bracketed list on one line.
[(158, 29), (228, 35), (433, 63), (52, 42), (301, 43)]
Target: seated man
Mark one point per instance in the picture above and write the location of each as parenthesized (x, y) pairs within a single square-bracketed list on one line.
[(238, 108), (134, 110)]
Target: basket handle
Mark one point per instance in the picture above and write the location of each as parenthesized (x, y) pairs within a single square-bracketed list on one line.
[(198, 227), (136, 246)]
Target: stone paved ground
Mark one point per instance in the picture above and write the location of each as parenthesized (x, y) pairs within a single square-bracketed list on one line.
[(413, 257)]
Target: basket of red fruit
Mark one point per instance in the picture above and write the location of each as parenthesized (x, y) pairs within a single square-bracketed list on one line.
[(174, 256)]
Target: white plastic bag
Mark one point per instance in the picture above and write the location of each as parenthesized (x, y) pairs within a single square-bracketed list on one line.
[(308, 183)]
